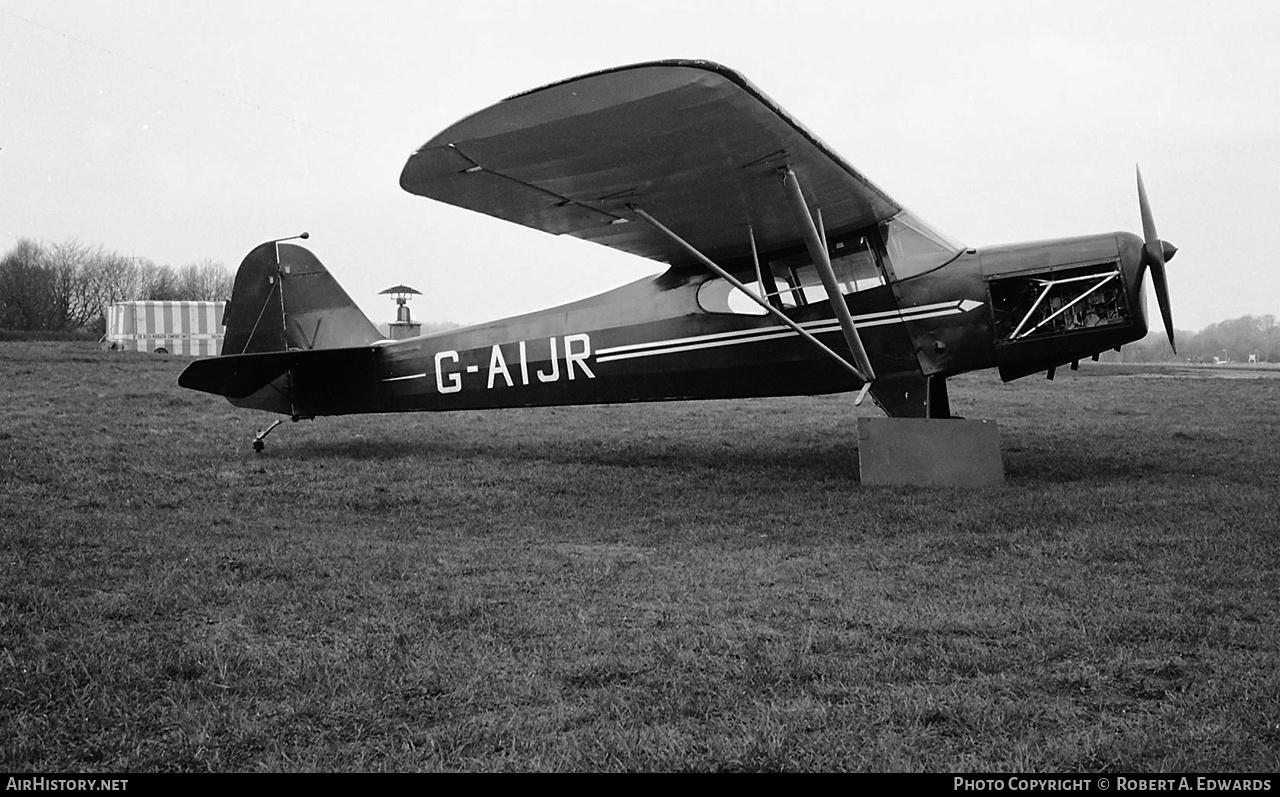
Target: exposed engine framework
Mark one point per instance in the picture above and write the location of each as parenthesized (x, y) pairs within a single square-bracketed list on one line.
[(1029, 305)]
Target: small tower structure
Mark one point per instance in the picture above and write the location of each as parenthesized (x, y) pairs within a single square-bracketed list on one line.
[(403, 327)]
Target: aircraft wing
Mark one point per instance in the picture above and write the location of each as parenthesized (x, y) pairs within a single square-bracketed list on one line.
[(692, 143)]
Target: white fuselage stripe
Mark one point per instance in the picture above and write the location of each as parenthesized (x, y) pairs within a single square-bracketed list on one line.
[(819, 327), (691, 347)]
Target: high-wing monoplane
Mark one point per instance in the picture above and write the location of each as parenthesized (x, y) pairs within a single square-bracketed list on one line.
[(787, 271)]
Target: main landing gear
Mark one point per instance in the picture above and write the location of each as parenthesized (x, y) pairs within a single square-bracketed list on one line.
[(259, 440)]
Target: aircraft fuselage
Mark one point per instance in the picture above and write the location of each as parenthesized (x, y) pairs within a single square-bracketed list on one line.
[(1022, 309)]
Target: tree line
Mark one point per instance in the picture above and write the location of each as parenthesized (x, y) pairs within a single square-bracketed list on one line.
[(1234, 340), (65, 287)]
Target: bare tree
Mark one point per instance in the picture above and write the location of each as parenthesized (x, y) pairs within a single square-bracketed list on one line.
[(25, 287), (205, 281), (74, 299), (117, 279), (157, 283)]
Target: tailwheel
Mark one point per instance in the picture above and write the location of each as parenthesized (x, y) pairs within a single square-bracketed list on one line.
[(259, 441)]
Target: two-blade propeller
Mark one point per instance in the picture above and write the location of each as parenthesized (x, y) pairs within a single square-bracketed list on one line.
[(1155, 253)]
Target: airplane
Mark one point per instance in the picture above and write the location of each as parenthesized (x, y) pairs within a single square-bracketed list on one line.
[(787, 272)]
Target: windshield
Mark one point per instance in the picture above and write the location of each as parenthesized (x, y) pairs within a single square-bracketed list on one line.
[(914, 247)]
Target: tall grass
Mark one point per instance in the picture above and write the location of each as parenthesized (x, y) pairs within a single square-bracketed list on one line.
[(685, 586)]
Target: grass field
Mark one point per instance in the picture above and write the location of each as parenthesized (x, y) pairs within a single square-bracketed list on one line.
[(685, 586)]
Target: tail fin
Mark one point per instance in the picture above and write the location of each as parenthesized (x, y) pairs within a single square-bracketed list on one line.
[(289, 324), (286, 300)]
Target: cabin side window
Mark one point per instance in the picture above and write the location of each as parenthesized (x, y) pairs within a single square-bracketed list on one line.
[(793, 281)]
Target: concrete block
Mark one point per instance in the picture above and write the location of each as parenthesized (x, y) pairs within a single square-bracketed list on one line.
[(922, 452)]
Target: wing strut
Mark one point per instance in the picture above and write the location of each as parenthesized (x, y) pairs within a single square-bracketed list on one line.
[(773, 311), (765, 276), (822, 262)]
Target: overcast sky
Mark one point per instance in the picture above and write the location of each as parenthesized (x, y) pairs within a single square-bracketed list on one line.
[(185, 131)]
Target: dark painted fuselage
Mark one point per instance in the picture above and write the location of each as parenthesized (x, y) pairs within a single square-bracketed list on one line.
[(655, 339)]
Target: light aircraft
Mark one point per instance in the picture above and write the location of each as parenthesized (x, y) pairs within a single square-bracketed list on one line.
[(787, 272)]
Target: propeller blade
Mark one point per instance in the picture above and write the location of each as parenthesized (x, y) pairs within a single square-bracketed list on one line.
[(1148, 221), (1162, 296), (1153, 254)]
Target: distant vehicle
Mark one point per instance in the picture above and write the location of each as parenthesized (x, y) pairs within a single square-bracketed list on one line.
[(189, 328)]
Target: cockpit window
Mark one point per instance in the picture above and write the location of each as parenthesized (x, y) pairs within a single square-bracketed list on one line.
[(794, 281), (914, 247), (718, 296)]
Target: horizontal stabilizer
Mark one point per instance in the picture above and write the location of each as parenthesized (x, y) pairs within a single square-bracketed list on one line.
[(310, 383), (237, 376)]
